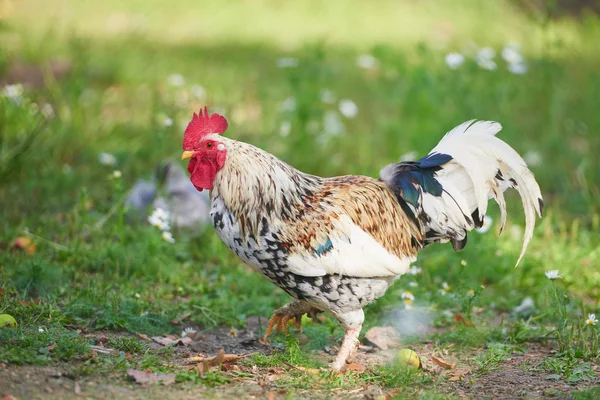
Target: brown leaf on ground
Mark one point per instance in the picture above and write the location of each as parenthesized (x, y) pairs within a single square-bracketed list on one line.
[(51, 347), (180, 319), (143, 336), (443, 363), (457, 374), (356, 367), (383, 337), (9, 397), (460, 319), (142, 377), (25, 244), (167, 340)]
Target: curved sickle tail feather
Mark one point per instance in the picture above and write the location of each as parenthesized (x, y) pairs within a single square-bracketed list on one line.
[(447, 191)]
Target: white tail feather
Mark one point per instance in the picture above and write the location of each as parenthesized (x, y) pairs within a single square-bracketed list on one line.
[(482, 167)]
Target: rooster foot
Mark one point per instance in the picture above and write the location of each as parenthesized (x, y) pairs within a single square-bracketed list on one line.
[(290, 312)]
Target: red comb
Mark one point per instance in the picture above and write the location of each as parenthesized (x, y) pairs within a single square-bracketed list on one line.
[(201, 125)]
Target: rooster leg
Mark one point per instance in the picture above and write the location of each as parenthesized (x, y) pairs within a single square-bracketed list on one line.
[(352, 321), (293, 311)]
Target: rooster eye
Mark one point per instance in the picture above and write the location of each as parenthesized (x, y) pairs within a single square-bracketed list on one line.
[(209, 145)]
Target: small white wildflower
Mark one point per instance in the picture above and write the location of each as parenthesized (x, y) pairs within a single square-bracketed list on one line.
[(533, 158), (168, 121), (485, 58), (285, 128), (445, 286), (518, 69), (454, 60), (471, 293), (188, 331), (176, 80), (332, 124), (287, 62), (41, 330), (442, 292), (407, 295), (414, 270), (168, 236), (591, 319), (327, 96), (288, 104), (14, 93), (116, 174), (490, 65), (407, 303), (410, 156), (233, 332), (137, 295), (107, 159), (144, 314), (463, 263), (487, 224), (367, 61), (160, 218), (553, 274), (511, 55), (47, 111), (413, 284), (348, 108), (198, 91)]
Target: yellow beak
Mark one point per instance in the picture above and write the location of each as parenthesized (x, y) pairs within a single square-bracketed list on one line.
[(187, 154)]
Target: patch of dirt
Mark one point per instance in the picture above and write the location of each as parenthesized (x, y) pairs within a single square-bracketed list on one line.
[(518, 377)]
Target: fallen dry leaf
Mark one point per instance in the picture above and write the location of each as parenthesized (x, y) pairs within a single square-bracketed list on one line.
[(460, 319), (442, 363), (150, 377), (51, 347), (8, 397), (383, 337), (24, 243), (457, 374), (180, 319), (143, 336), (356, 367)]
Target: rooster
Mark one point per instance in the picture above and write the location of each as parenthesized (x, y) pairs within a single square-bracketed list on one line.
[(336, 244)]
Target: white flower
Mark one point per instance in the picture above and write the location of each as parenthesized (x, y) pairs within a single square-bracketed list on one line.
[(511, 55), (367, 61), (410, 156), (348, 108), (487, 224), (285, 128), (445, 286), (407, 295), (332, 124), (160, 218), (407, 303), (485, 58), (533, 158), (107, 159), (414, 270), (176, 80), (287, 62), (168, 236), (188, 331), (591, 320), (137, 295), (463, 263), (471, 293), (41, 330), (518, 69), (288, 104), (413, 284), (47, 110), (14, 93), (553, 274), (198, 91), (442, 292), (168, 121), (116, 174), (327, 96), (454, 60)]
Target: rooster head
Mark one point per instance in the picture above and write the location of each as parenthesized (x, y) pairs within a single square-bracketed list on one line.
[(201, 146)]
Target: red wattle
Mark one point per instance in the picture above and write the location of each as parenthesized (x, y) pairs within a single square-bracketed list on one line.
[(203, 174)]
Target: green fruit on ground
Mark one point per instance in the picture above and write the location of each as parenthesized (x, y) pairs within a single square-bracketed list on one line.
[(7, 321), (407, 356)]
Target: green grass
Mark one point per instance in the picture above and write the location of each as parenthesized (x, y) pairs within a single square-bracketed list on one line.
[(96, 270)]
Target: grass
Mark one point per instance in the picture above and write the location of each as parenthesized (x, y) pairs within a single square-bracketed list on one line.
[(96, 269)]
